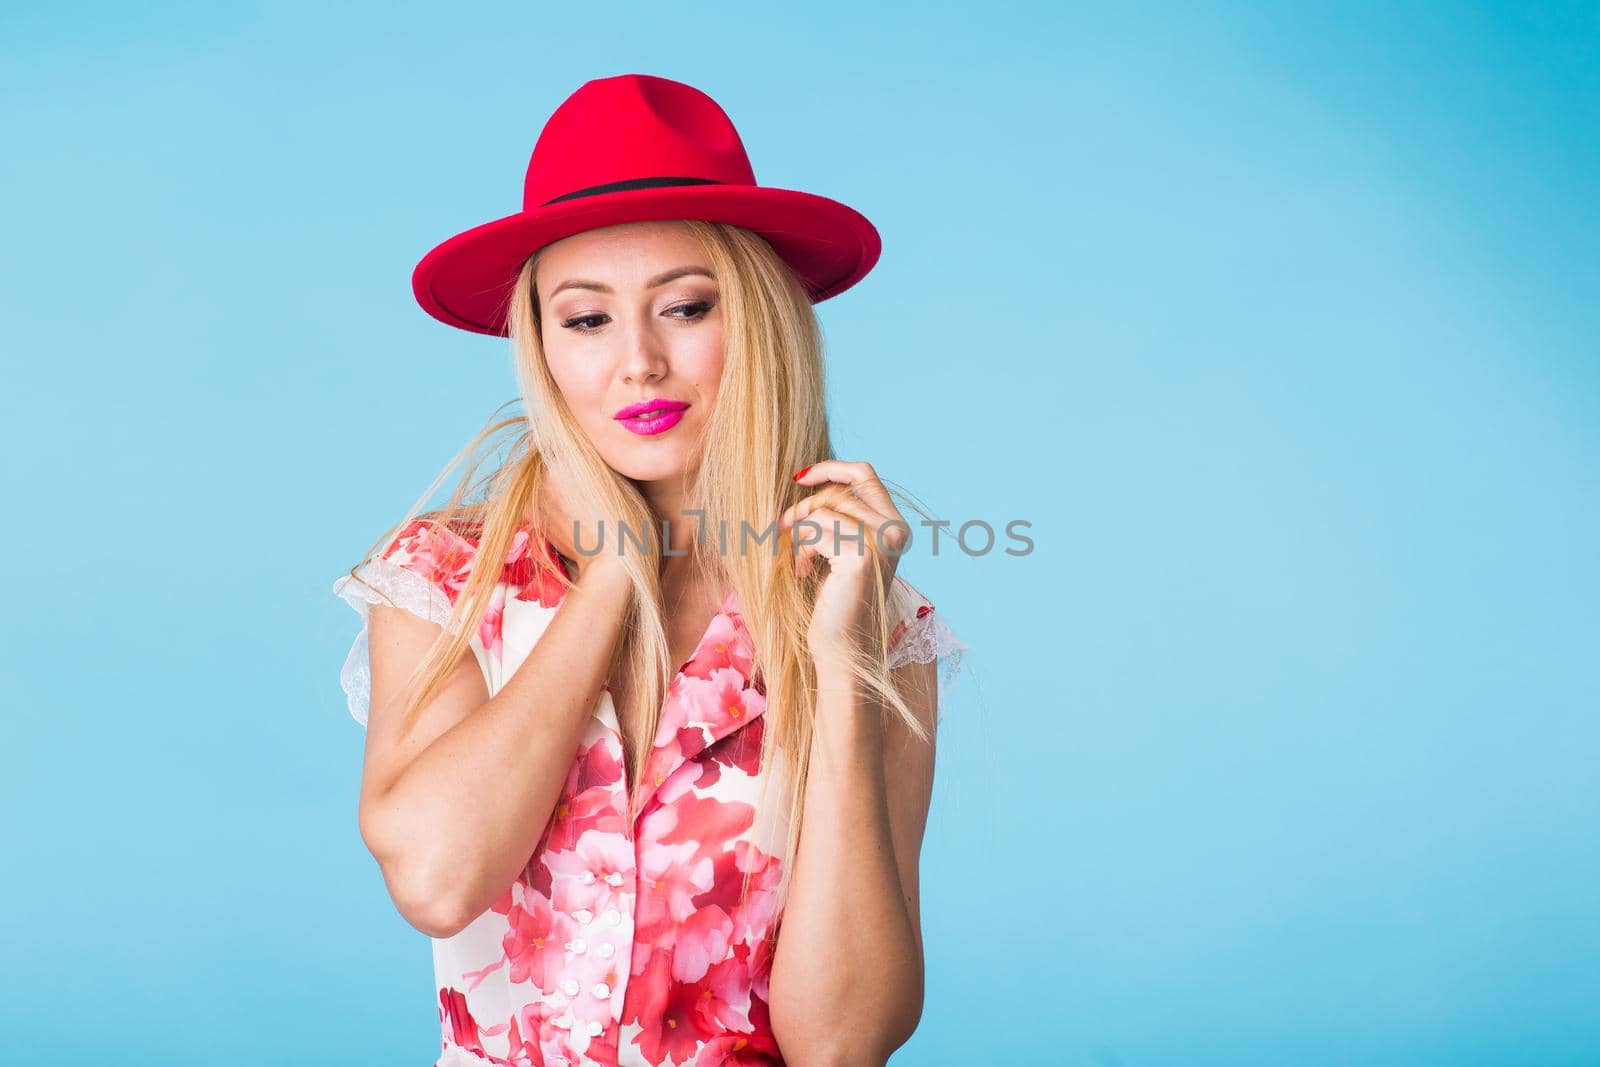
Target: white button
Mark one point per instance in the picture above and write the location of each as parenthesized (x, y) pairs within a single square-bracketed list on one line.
[(613, 878), (583, 915), (602, 991), (595, 1028), (613, 916), (570, 987), (607, 949), (578, 945), (565, 1022), (587, 877)]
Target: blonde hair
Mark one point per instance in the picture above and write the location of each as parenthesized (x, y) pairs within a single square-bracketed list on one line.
[(769, 421)]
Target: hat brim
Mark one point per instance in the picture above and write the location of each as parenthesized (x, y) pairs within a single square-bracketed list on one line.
[(466, 280)]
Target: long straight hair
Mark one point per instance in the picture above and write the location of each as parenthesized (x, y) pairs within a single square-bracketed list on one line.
[(769, 420)]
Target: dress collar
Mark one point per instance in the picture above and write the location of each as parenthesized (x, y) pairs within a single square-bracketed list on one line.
[(712, 695)]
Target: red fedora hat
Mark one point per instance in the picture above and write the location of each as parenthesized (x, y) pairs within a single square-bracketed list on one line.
[(632, 148)]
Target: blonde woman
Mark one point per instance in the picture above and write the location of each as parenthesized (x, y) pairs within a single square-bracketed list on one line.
[(632, 707)]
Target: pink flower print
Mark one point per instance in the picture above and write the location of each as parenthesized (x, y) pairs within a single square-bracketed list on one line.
[(657, 821), (593, 874), (755, 916), (690, 741), (754, 919), (533, 1022), (490, 626), (702, 940), (686, 779), (670, 877), (739, 1050), (725, 645), (760, 1017), (519, 562), (720, 702), (709, 823), (594, 809), (646, 1006), (603, 1049), (590, 983), (536, 570), (534, 930), (725, 881), (722, 997), (437, 553), (673, 1026), (462, 1027), (740, 749), (523, 1035), (667, 753), (759, 964), (707, 771), (673, 707), (598, 764)]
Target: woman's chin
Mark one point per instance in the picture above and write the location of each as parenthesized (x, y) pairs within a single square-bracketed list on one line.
[(654, 470)]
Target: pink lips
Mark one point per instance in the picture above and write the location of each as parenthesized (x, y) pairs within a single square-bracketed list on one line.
[(652, 416)]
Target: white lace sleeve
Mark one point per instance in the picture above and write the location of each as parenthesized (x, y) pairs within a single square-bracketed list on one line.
[(927, 638), (381, 581)]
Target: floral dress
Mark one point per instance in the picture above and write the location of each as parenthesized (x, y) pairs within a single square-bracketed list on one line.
[(618, 945)]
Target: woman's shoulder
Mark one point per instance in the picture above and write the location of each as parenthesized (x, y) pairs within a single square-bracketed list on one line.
[(422, 566), (906, 605), (919, 633), (445, 550)]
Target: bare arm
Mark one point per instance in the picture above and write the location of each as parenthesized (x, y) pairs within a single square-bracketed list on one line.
[(847, 976), (453, 807)]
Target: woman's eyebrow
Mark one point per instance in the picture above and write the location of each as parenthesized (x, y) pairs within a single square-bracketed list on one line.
[(660, 279)]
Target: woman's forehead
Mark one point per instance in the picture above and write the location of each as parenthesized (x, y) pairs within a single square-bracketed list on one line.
[(623, 250)]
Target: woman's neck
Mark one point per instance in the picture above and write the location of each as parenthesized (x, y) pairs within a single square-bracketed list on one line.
[(667, 502)]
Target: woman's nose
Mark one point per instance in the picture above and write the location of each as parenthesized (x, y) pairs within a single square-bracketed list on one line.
[(644, 359)]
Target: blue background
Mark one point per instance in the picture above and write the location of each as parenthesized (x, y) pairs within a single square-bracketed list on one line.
[(1280, 326)]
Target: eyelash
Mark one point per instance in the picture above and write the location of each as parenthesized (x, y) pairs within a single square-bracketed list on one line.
[(704, 305)]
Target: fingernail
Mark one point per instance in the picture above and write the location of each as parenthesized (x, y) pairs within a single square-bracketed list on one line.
[(801, 473)]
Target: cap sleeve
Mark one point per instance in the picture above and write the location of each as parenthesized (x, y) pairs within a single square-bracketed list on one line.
[(423, 570), (921, 636)]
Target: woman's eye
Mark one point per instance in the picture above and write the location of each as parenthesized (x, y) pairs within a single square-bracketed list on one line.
[(699, 308), (591, 323), (573, 323)]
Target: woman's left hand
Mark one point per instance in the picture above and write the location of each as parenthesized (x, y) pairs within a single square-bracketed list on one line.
[(848, 519)]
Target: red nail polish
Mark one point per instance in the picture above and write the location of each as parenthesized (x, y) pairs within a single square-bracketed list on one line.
[(801, 473)]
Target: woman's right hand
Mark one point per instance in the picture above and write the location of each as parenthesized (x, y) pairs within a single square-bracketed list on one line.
[(559, 517)]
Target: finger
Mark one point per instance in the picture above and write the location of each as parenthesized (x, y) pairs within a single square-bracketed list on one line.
[(828, 496), (859, 475), (814, 538), (891, 533), (856, 516), (832, 534)]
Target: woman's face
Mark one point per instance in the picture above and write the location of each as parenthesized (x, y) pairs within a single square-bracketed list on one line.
[(631, 315)]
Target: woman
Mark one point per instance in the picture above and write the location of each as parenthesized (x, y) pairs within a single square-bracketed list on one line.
[(597, 815)]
